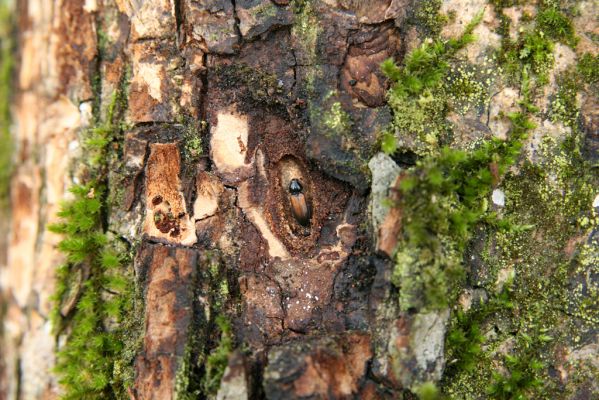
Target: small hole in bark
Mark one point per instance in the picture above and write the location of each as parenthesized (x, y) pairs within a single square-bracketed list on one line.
[(166, 223), (157, 200)]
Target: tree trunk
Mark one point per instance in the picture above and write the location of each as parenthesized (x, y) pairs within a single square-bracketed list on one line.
[(226, 156)]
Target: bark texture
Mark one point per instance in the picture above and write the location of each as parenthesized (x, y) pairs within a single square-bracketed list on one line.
[(220, 105)]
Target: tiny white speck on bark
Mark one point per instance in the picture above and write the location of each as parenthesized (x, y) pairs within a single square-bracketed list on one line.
[(498, 197)]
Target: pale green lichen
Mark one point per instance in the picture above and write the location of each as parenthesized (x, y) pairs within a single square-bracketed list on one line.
[(337, 120), (305, 31), (504, 346)]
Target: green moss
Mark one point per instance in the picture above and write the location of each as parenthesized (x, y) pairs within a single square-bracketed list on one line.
[(504, 346), (520, 381), (419, 93), (428, 391), (443, 198), (464, 339), (534, 46), (217, 360), (97, 357), (551, 199), (6, 67), (532, 50), (85, 364), (557, 26), (588, 68), (446, 194)]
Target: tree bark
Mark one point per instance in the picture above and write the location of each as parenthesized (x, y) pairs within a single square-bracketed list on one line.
[(243, 288)]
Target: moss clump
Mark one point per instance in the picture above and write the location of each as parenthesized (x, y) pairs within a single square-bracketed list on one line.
[(465, 339), (521, 378), (85, 364), (418, 95), (557, 26), (6, 66), (96, 310), (532, 49), (588, 68), (552, 202), (442, 198), (534, 46), (445, 195), (217, 360)]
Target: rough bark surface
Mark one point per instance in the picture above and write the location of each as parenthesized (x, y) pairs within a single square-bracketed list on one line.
[(228, 101)]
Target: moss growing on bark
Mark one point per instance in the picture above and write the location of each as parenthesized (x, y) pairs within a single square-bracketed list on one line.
[(6, 66), (443, 197), (546, 308), (216, 361), (503, 347), (588, 67), (418, 95), (95, 310)]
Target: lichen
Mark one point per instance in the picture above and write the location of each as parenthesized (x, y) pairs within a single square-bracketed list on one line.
[(192, 140), (337, 120), (419, 93), (305, 31), (530, 258), (428, 18)]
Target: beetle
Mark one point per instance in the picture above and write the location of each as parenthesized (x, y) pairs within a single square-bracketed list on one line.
[(299, 205)]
